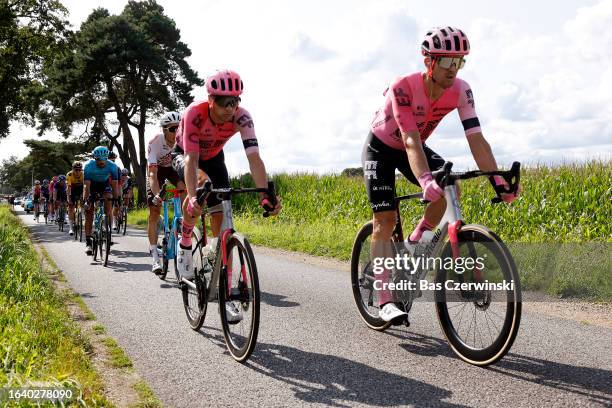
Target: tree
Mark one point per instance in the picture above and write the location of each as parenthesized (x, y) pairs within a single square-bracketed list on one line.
[(120, 70), (31, 33), (46, 159)]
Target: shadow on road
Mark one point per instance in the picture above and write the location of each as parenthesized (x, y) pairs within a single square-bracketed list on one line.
[(275, 300), (337, 381), (591, 382)]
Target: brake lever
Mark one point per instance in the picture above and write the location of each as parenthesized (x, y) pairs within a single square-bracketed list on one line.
[(271, 196)]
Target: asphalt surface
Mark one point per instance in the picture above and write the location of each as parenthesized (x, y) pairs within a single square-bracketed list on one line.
[(314, 349)]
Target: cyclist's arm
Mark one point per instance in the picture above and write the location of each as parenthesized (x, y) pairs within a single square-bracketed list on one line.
[(414, 150), (481, 150), (191, 172), (153, 180), (86, 187), (258, 170)]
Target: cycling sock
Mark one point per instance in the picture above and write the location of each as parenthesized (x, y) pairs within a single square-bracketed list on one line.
[(187, 230), (153, 251), (422, 226)]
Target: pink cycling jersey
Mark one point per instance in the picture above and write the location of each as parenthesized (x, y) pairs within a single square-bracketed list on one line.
[(408, 108), (198, 133)]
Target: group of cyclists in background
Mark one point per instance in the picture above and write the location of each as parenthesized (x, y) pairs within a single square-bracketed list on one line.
[(56, 194)]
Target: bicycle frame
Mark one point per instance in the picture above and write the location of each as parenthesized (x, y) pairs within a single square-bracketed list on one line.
[(170, 238)]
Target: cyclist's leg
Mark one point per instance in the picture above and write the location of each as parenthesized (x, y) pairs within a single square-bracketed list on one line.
[(152, 224), (217, 173), (434, 211), (189, 219), (379, 163)]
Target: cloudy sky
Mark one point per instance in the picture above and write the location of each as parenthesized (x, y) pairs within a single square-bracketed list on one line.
[(314, 73)]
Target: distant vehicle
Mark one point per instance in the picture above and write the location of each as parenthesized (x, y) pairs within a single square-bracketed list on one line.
[(18, 200), (28, 205)]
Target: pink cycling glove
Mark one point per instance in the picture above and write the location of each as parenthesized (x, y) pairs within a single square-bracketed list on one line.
[(431, 190), (508, 198)]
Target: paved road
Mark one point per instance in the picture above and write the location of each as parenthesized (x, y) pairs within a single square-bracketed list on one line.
[(313, 349)]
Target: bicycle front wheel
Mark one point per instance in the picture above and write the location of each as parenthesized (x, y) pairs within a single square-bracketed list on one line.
[(124, 219), (195, 294), (362, 280), (479, 308), (106, 232), (239, 299)]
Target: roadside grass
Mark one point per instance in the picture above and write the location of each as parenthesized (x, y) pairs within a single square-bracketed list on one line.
[(146, 395), (118, 357), (38, 340), (569, 204)]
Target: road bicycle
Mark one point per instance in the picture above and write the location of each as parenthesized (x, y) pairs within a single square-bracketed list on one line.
[(37, 209), (61, 215), (171, 231), (230, 277), (121, 219), (479, 323), (101, 236), (45, 205), (78, 220)]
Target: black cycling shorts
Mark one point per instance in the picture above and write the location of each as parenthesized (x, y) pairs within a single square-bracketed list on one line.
[(76, 193), (215, 169), (163, 173), (379, 163)]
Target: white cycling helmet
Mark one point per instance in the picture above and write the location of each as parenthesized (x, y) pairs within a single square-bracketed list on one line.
[(170, 118)]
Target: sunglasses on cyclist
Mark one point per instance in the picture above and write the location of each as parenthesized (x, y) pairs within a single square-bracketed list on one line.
[(447, 62), (227, 101), (172, 129)]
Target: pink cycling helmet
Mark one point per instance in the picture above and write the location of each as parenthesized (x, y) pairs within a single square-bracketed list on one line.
[(445, 41), (225, 82)]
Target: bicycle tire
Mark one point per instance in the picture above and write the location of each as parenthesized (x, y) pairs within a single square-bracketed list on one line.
[(101, 237), (80, 224), (124, 218), (107, 239), (60, 219), (94, 245), (165, 262), (470, 236), (242, 341), (195, 300), (362, 278)]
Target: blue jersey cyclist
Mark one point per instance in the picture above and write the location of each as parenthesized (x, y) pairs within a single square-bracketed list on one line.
[(100, 179)]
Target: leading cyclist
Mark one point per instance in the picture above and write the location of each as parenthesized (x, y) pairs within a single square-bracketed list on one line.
[(414, 105)]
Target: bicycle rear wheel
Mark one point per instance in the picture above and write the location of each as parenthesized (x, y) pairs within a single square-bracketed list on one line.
[(61, 216), (362, 280), (195, 295), (239, 287), (479, 322)]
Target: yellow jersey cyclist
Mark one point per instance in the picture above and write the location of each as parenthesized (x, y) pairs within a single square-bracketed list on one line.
[(75, 180), (414, 105)]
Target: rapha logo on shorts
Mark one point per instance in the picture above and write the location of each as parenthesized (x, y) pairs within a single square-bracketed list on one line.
[(382, 188)]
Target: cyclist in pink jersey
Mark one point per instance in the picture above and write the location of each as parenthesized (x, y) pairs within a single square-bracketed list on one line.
[(204, 129), (414, 105)]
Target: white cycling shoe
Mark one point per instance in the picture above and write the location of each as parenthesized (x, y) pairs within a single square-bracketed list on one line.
[(184, 263), (234, 315), (390, 312), (156, 268)]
